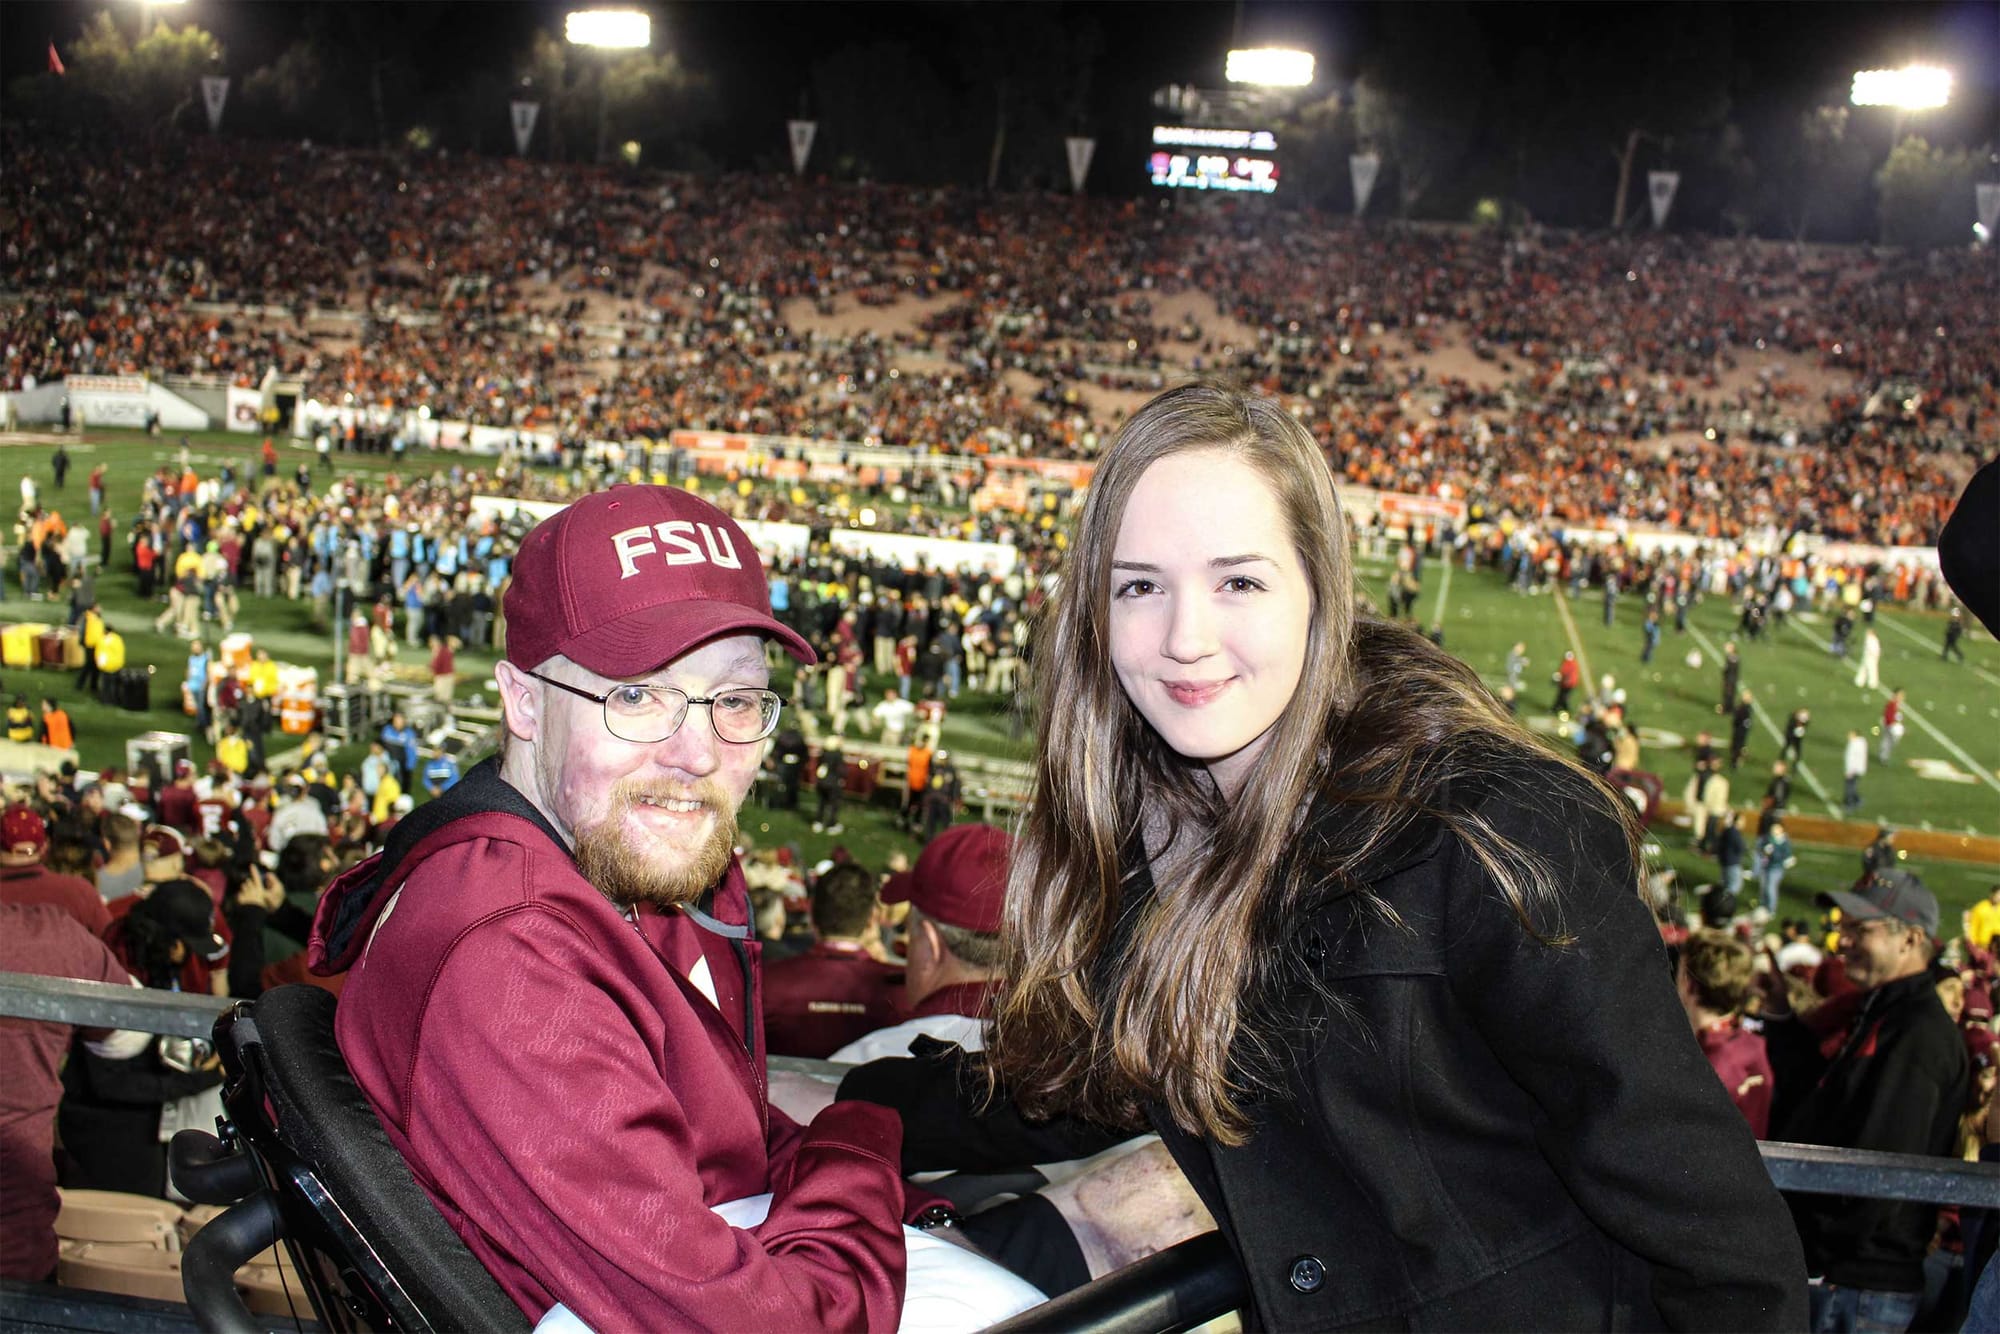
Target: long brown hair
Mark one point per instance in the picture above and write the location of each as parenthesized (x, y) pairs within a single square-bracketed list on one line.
[(1116, 998)]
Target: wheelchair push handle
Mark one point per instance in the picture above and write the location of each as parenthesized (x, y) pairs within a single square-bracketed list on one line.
[(209, 1264), (208, 1171)]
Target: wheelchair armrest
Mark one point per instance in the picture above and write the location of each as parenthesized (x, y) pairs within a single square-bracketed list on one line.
[(208, 1171), (214, 1254), (1175, 1289)]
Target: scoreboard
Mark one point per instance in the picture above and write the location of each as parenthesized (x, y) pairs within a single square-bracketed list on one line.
[(1190, 157)]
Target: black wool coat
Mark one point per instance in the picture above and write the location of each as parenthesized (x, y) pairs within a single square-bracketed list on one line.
[(1476, 1129)]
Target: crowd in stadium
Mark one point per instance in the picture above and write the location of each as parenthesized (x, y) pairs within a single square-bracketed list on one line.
[(593, 306), (598, 308)]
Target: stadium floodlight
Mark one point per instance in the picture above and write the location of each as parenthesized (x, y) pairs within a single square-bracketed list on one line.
[(1913, 88), (1271, 67), (607, 30), (623, 29)]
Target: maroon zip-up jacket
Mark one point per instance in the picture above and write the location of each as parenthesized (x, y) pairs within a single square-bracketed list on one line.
[(574, 1104)]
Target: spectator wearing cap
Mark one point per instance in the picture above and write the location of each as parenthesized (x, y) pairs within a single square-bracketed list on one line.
[(835, 991), (955, 892), (24, 837), (111, 1121), (298, 812), (1887, 1071), (1713, 976), (591, 869)]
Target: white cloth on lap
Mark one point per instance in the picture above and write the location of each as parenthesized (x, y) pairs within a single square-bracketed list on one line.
[(948, 1289)]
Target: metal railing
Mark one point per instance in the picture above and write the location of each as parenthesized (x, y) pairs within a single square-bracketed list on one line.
[(1809, 1168), (1175, 1289)]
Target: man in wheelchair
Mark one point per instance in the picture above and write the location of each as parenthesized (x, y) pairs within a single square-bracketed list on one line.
[(552, 983)]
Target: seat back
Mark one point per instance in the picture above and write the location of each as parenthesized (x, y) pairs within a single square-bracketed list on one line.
[(371, 1248)]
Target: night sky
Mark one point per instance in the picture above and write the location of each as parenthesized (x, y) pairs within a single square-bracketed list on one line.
[(1783, 55)]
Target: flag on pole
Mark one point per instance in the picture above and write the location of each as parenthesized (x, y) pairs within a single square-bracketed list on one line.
[(1079, 149), (1660, 188), (55, 61), (214, 94), (801, 134), (1363, 168), (523, 114), (1987, 195)]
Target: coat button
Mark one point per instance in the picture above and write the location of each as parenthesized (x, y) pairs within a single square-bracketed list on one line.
[(1314, 949), (1308, 1274)]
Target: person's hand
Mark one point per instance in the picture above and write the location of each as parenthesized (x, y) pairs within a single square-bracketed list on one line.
[(261, 890), (1770, 983)]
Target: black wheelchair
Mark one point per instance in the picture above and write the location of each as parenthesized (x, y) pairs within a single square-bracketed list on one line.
[(303, 1160)]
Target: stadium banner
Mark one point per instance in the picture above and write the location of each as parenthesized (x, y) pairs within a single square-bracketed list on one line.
[(777, 539), (1070, 472), (464, 436), (523, 116), (936, 553), (242, 409), (713, 440), (1857, 553), (1988, 195), (909, 550), (1660, 188), (1363, 168), (1079, 150), (214, 95), (506, 507), (801, 133), (107, 400)]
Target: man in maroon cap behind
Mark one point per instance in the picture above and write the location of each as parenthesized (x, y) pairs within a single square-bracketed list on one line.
[(956, 892), (552, 977), (24, 837)]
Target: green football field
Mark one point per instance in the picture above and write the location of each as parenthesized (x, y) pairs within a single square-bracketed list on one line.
[(1946, 774)]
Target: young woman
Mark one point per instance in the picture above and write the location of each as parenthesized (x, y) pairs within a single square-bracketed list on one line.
[(1294, 889)]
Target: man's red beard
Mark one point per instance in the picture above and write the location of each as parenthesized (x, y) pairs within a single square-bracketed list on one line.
[(629, 875)]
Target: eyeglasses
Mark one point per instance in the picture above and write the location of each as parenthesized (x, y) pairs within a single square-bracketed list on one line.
[(645, 715)]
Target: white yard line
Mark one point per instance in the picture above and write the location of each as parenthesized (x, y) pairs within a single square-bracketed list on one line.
[(1444, 592), (1938, 647), (1777, 733), (1985, 774)]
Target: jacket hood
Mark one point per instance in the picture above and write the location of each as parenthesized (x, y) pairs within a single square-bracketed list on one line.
[(347, 912)]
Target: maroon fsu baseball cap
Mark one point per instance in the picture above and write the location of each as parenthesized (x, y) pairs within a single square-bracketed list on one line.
[(960, 878), (22, 831), (625, 580)]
